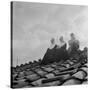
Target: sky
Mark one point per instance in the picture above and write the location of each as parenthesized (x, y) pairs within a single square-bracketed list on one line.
[(34, 24)]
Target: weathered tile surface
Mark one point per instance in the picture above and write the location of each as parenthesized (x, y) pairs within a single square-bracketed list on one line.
[(55, 74)]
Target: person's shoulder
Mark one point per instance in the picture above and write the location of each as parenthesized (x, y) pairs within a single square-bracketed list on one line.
[(77, 41)]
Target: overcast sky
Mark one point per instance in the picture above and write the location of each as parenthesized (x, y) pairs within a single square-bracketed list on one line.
[(34, 24)]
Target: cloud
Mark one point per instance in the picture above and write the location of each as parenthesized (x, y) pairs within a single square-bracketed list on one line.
[(34, 24)]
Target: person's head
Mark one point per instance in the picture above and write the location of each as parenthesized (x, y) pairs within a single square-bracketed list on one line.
[(72, 36), (61, 39), (52, 41)]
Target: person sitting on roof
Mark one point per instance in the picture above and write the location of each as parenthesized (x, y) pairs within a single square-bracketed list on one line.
[(73, 46), (49, 56), (61, 52)]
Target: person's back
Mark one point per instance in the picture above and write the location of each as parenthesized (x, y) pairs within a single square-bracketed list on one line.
[(61, 53), (73, 45), (49, 56)]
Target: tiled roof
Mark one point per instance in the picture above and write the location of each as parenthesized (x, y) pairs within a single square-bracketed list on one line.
[(70, 72)]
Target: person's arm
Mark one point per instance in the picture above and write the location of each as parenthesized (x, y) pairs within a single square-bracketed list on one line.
[(55, 46), (64, 47)]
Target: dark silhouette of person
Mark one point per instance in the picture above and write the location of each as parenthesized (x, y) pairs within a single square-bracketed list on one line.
[(55, 53), (61, 52), (73, 46), (49, 56), (84, 55)]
